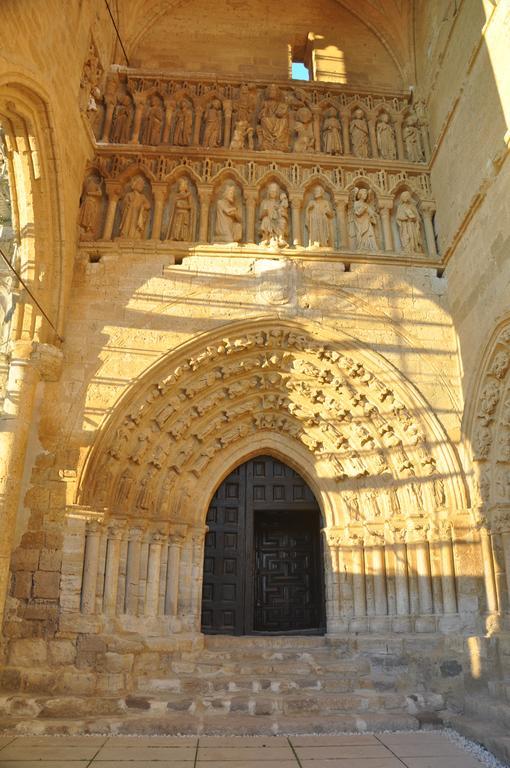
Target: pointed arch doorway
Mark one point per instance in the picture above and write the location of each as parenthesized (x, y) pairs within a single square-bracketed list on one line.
[(263, 564)]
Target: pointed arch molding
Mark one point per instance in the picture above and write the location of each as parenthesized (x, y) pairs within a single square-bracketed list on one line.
[(350, 422)]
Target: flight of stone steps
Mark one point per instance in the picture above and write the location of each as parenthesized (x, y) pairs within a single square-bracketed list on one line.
[(245, 685)]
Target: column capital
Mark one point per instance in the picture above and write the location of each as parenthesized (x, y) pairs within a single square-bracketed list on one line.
[(113, 189), (385, 203), (251, 195), (46, 359), (205, 194), (500, 520), (93, 527), (116, 530), (341, 198), (135, 534), (428, 207)]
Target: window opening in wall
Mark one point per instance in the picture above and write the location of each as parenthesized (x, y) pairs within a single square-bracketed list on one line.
[(7, 246), (298, 69)]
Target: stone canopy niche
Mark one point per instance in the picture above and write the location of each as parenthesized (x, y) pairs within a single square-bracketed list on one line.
[(379, 464), (362, 156)]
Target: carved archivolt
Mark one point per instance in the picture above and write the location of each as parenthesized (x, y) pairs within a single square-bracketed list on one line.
[(346, 408)]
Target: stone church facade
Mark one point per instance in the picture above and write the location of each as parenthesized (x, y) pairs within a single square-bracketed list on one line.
[(256, 367)]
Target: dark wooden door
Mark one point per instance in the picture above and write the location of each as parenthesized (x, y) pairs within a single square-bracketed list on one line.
[(262, 561)]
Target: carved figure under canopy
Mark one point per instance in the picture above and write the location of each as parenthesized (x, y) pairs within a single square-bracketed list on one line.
[(121, 123), (359, 134), (304, 141), (363, 218), (151, 133), (412, 140), (332, 132), (229, 218), (212, 120), (242, 133), (182, 222), (135, 211), (183, 131), (386, 138), (274, 217), (409, 225), (319, 216), (273, 128), (90, 209)]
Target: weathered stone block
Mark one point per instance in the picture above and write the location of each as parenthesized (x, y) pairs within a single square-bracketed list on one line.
[(46, 584), (28, 653), (50, 560), (118, 662), (25, 560), (62, 652), (22, 585)]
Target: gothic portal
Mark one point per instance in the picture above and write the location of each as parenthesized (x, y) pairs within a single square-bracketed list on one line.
[(262, 562)]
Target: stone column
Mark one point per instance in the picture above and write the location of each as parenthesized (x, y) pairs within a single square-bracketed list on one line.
[(421, 549), (373, 136), (378, 567), (250, 196), (358, 579), (29, 362), (435, 538), (499, 571), (502, 523), (110, 106), (332, 582), (153, 574), (90, 565), (197, 568), (386, 204), (401, 585), (111, 577), (133, 570), (428, 211), (448, 572), (425, 139), (139, 99), (488, 570), (341, 202), (172, 573), (113, 194), (398, 135), (295, 210), (169, 113), (346, 595), (159, 192), (185, 576), (346, 136), (204, 195), (227, 129), (197, 126)]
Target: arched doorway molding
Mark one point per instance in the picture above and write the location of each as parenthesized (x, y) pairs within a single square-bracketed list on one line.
[(358, 432), (486, 428)]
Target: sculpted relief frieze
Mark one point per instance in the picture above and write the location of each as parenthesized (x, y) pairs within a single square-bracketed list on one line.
[(251, 163)]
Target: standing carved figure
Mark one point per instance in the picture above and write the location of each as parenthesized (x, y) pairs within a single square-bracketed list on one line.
[(90, 209), (135, 211), (182, 222), (386, 138), (332, 132), (409, 226), (412, 139), (304, 141), (274, 217), (359, 134), (151, 133), (273, 128), (363, 216), (212, 119), (229, 218), (183, 124), (121, 123), (319, 214)]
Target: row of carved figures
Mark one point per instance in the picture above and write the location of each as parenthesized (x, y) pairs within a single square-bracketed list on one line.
[(277, 124), (184, 212)]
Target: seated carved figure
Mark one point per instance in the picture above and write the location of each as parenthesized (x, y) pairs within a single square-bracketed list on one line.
[(305, 140), (229, 226), (273, 128)]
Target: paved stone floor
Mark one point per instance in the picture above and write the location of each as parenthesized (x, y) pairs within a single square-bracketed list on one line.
[(397, 750)]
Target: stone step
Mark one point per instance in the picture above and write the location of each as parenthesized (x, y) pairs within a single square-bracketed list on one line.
[(500, 689), (493, 737), (495, 711), (207, 723), (224, 642), (325, 682)]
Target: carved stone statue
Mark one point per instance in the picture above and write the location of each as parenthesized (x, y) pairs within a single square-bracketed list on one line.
[(412, 140), (409, 225), (182, 222), (90, 209), (183, 131), (304, 141), (212, 121), (363, 217), (135, 211), (319, 214), (386, 138), (151, 133), (274, 217), (229, 218), (273, 128), (121, 123), (332, 132), (359, 134), (242, 133)]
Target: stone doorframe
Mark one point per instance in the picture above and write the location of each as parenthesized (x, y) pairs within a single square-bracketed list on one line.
[(396, 525)]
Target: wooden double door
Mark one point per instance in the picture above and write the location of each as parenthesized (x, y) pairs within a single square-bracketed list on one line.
[(262, 560)]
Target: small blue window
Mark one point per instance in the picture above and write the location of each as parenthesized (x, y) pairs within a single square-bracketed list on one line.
[(299, 71)]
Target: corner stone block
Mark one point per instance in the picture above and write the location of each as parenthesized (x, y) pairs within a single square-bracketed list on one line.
[(28, 652), (46, 584)]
